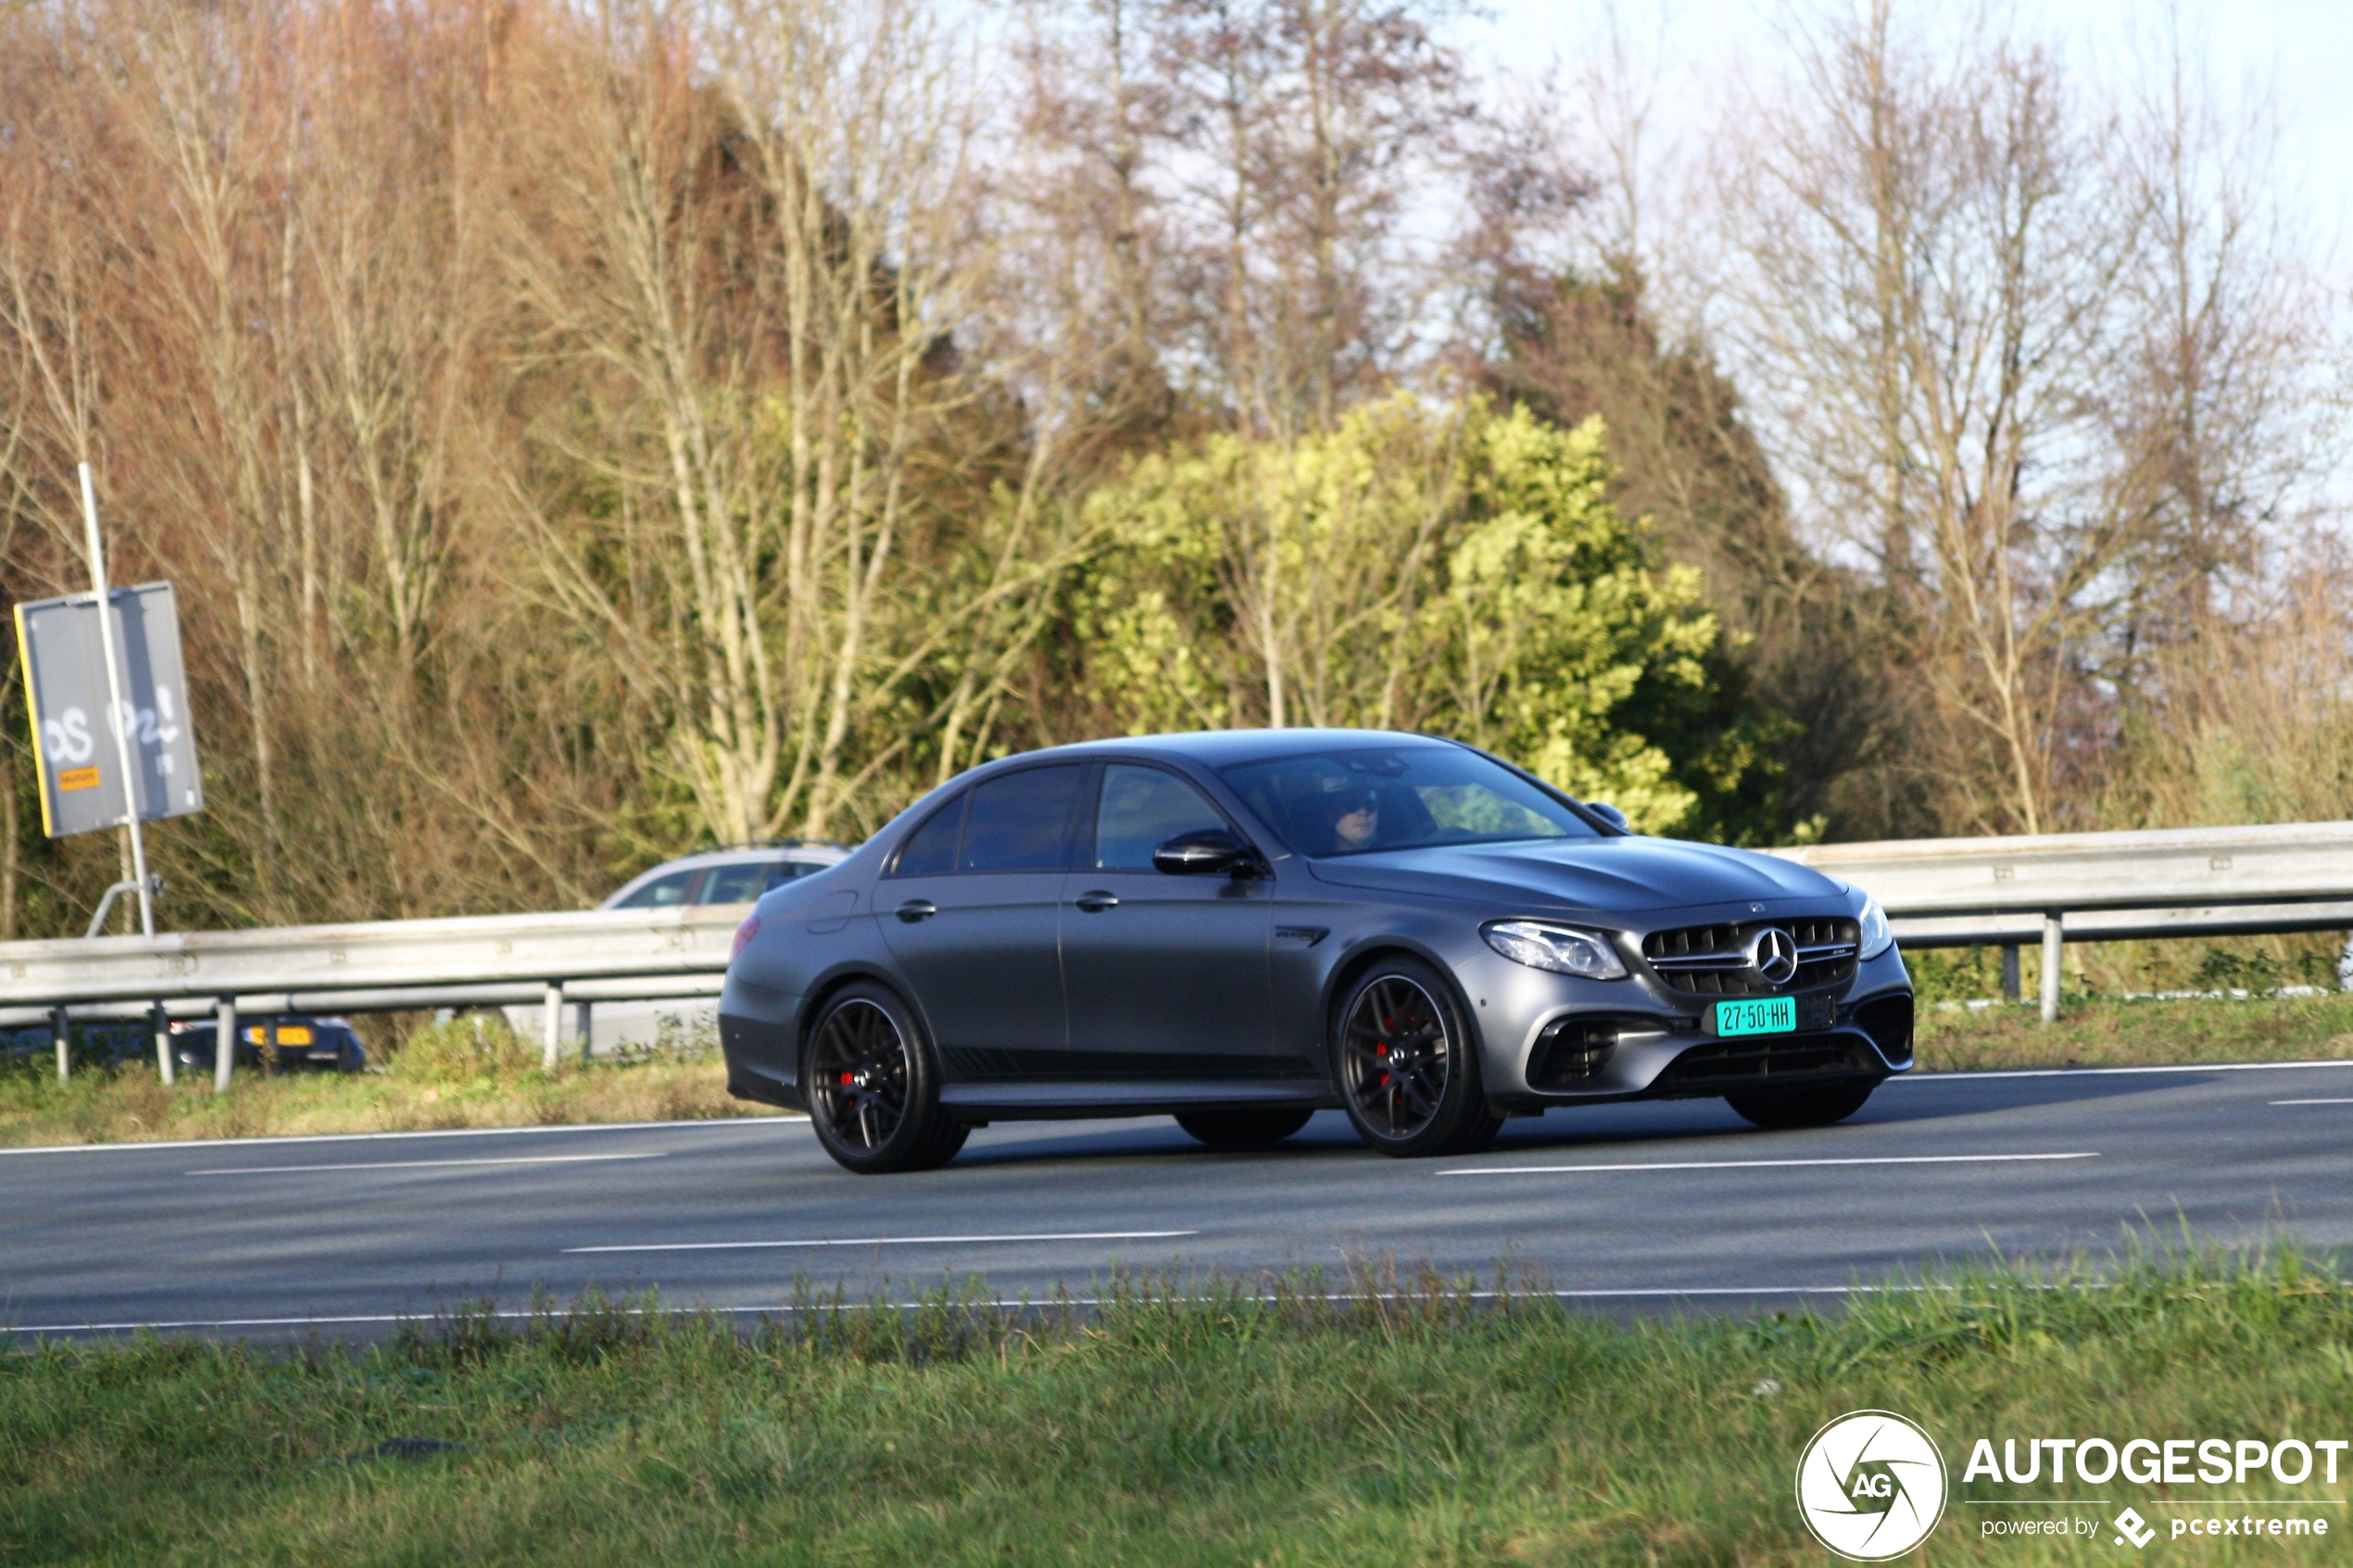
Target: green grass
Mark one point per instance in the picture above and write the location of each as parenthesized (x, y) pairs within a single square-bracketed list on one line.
[(131, 1104), (2108, 1032), (1217, 1430)]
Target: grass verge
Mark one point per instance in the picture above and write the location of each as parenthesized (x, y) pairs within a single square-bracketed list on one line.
[(1302, 1426), (2110, 1032), (131, 1104)]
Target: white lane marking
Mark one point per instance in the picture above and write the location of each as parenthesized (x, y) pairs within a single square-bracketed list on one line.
[(787, 1117), (1005, 1302), (888, 1241), (1760, 1165), (419, 1164), (2099, 1071), (2312, 1102)]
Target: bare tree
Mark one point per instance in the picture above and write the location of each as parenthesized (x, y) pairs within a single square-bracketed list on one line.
[(1933, 248)]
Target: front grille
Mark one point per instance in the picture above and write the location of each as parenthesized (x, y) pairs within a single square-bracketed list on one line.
[(1737, 1064), (1570, 1052), (1712, 961)]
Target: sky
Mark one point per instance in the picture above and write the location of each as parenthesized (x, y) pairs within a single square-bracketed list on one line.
[(2302, 51)]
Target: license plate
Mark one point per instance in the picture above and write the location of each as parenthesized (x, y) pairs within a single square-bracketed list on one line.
[(1764, 1015)]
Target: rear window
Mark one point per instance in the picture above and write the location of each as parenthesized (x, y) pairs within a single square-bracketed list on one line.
[(1021, 821), (1362, 800), (930, 850)]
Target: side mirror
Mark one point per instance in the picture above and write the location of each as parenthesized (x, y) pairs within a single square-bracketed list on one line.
[(1610, 814), (1207, 852)]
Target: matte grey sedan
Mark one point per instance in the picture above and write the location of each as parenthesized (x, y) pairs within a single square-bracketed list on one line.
[(1243, 927)]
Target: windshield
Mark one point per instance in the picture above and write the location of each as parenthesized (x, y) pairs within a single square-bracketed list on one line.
[(1358, 801)]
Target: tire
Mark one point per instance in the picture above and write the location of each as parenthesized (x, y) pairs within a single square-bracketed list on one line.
[(1242, 1129), (1407, 1064), (874, 1094), (1816, 1106)]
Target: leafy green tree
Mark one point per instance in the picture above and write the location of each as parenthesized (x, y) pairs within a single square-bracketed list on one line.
[(1461, 571)]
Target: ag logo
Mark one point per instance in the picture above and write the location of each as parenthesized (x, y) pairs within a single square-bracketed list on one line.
[(1871, 1486)]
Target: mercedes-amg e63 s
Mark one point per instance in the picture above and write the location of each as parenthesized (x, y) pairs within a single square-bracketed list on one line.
[(1241, 928)]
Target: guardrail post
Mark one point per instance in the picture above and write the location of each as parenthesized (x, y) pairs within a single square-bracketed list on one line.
[(224, 1044), (159, 1025), (65, 1047), (2051, 937), (555, 1025), (587, 1040), (2009, 972)]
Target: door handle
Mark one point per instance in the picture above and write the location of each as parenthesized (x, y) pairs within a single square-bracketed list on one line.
[(915, 909), (1096, 902)]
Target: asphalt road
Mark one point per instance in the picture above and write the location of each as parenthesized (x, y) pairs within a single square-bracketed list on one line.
[(1631, 1207)]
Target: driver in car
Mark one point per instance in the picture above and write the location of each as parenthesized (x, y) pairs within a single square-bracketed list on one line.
[(1355, 822)]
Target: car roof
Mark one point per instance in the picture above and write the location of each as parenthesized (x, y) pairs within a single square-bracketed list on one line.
[(1223, 748), (828, 854)]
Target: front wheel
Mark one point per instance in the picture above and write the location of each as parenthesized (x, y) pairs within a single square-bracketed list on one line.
[(1408, 1065), (1242, 1129), (1816, 1106), (873, 1096)]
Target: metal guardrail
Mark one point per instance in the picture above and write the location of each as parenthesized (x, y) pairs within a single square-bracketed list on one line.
[(1951, 891), (585, 956), (2055, 888)]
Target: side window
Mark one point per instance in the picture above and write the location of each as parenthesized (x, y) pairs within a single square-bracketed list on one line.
[(664, 892), (784, 871), (1143, 808), (1021, 821), (735, 885), (930, 850)]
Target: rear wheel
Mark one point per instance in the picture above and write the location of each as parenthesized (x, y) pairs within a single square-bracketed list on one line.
[(1408, 1066), (1242, 1129), (1816, 1106), (874, 1094)]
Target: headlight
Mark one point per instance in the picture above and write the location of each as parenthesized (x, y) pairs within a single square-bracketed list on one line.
[(1877, 937), (1557, 948)]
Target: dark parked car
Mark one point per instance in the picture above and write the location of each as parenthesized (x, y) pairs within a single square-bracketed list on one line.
[(295, 1044), (1239, 928)]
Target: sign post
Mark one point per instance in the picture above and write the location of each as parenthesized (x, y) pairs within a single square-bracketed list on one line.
[(120, 723), (109, 661)]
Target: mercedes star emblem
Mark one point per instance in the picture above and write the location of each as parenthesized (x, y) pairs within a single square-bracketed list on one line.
[(1772, 953)]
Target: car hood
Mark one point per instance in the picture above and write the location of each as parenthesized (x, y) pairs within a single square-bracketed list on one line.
[(1612, 875)]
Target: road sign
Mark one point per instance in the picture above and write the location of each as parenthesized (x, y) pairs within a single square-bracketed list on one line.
[(75, 727)]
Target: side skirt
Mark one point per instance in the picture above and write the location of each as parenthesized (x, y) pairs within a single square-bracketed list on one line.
[(1074, 1101)]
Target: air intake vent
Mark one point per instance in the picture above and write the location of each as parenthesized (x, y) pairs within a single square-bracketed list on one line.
[(1888, 1021), (1712, 961), (1732, 1064), (1572, 1052)]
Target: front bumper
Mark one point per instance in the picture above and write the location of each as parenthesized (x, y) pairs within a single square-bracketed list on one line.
[(1550, 1040)]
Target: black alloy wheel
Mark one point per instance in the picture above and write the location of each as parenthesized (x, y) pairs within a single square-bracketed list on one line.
[(1816, 1105), (1242, 1129), (873, 1096), (1408, 1068)]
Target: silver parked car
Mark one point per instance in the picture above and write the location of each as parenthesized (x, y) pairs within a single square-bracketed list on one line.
[(735, 873)]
